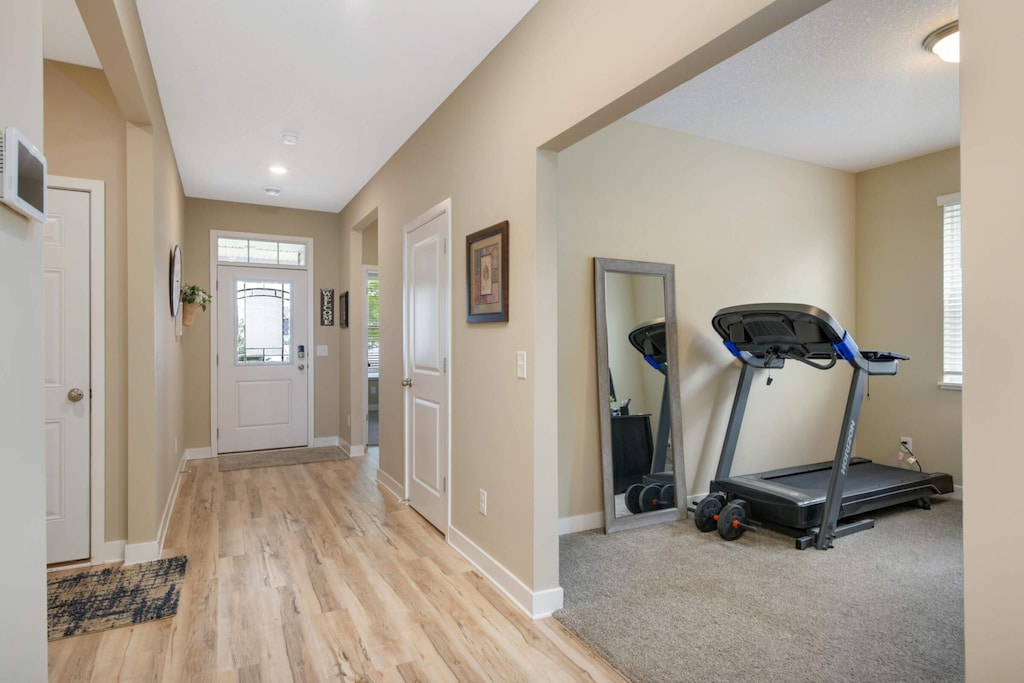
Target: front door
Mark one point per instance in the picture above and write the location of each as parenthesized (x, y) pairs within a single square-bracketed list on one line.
[(426, 362), (66, 377), (262, 358)]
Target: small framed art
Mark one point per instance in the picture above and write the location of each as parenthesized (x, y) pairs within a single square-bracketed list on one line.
[(487, 275)]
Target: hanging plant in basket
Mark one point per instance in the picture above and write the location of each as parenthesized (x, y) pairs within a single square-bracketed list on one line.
[(193, 297)]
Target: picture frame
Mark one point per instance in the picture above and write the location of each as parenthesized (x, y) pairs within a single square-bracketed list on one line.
[(487, 275), (326, 307), (343, 310)]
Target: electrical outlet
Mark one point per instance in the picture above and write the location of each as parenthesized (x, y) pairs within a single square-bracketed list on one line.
[(906, 444), (483, 502)]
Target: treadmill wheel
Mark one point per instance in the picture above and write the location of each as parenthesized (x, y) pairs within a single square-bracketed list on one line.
[(668, 495), (650, 498), (707, 512), (633, 498), (732, 521)]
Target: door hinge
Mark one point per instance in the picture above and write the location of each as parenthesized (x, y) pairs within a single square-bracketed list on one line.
[(444, 364), (218, 359), (444, 484), (218, 433), (445, 241)]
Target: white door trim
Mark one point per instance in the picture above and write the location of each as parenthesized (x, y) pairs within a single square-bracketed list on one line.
[(444, 208), (97, 359), (310, 312)]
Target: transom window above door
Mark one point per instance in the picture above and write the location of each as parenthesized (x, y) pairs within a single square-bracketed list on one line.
[(260, 252)]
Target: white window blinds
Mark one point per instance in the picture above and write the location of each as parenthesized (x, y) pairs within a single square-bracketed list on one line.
[(952, 296)]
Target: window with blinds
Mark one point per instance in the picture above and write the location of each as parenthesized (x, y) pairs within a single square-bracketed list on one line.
[(952, 296), (373, 325)]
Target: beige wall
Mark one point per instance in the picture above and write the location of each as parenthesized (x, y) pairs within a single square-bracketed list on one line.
[(22, 487), (566, 70), (899, 308), (992, 166), (203, 216), (85, 135), (740, 227), (370, 246), (94, 138)]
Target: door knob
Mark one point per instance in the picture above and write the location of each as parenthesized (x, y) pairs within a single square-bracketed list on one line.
[(76, 395), (301, 366), (407, 382)]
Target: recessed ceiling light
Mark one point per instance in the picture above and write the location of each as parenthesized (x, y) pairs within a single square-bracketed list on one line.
[(945, 42), (272, 190), (278, 170), (290, 138)]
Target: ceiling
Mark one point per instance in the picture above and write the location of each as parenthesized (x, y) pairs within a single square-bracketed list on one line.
[(848, 86)]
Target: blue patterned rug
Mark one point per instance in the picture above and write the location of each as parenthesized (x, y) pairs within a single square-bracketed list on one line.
[(114, 597)]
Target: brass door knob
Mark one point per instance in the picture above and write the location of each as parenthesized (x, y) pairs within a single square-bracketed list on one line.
[(76, 395), (407, 382)]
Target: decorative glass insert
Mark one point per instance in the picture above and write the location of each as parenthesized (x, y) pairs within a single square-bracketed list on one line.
[(264, 252), (263, 317)]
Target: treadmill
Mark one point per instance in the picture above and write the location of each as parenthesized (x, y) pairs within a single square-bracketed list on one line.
[(812, 503)]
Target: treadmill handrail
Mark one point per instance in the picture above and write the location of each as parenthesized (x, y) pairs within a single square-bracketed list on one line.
[(774, 354)]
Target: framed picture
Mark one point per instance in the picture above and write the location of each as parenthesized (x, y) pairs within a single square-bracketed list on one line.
[(343, 310), (487, 275), (326, 307)]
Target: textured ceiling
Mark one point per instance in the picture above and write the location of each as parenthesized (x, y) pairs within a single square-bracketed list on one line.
[(848, 86)]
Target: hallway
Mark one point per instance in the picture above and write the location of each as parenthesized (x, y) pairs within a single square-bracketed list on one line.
[(314, 573)]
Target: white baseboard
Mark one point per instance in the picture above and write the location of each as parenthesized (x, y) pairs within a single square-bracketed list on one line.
[(113, 551), (151, 550), (391, 484), (570, 525), (199, 453), (353, 451), (135, 553), (321, 441), (536, 605)]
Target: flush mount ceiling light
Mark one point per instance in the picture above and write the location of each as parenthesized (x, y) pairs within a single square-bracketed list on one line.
[(272, 190), (278, 170), (290, 138), (945, 42)]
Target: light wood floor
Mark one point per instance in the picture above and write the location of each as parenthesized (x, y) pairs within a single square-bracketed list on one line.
[(314, 573)]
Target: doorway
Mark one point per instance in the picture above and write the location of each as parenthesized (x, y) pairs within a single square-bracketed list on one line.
[(427, 338), (74, 377), (371, 290), (262, 381)]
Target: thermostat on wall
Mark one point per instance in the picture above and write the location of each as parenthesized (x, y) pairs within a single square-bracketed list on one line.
[(22, 175)]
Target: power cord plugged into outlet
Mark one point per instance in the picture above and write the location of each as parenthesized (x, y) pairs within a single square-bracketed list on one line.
[(906, 454)]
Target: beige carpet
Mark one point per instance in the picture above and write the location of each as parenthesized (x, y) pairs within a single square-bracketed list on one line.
[(287, 456), (114, 597), (667, 603)]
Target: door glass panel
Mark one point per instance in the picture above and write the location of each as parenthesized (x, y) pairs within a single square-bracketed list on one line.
[(232, 250), (263, 316)]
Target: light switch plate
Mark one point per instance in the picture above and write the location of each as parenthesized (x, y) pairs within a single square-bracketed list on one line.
[(321, 349), (521, 364)]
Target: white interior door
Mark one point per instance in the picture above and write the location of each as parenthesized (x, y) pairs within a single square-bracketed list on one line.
[(66, 378), (426, 362), (262, 358)]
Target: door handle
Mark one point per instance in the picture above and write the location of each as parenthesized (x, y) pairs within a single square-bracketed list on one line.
[(407, 382), (301, 366), (76, 395)]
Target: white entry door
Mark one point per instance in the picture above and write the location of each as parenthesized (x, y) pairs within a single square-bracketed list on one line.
[(426, 363), (262, 358), (66, 378)]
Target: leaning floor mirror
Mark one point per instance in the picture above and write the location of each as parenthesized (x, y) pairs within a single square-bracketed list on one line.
[(638, 393)]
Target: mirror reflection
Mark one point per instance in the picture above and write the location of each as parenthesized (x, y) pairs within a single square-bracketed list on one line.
[(633, 326)]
